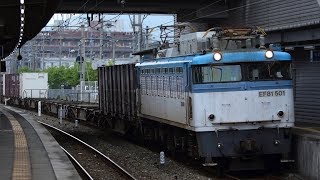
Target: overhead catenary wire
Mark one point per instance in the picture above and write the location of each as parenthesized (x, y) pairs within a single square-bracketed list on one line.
[(75, 12), (86, 11), (207, 15), (79, 17), (189, 13), (157, 28), (211, 14), (153, 28), (117, 16), (81, 20), (69, 20)]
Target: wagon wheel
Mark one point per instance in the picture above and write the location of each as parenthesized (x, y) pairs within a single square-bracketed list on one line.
[(90, 117), (70, 113), (45, 108), (26, 104), (101, 121)]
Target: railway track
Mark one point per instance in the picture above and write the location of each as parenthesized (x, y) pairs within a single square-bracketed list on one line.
[(92, 163), (233, 176), (84, 173)]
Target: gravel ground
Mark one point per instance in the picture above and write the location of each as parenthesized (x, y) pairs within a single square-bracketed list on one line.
[(139, 161)]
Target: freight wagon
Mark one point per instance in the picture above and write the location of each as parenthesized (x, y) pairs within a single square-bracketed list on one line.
[(1, 88), (25, 85), (117, 96)]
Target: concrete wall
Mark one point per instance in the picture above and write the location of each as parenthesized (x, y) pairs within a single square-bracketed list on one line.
[(306, 148)]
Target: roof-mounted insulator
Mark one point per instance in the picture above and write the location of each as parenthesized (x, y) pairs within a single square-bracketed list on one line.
[(215, 42), (88, 19), (262, 42)]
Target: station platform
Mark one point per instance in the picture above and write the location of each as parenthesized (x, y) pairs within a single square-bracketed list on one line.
[(28, 151)]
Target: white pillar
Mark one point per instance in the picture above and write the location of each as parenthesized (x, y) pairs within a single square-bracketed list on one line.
[(39, 108), (76, 123), (162, 159)]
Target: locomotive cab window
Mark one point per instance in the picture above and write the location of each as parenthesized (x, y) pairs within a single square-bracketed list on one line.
[(269, 71), (216, 74)]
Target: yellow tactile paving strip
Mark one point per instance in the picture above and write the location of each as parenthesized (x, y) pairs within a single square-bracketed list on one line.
[(21, 165)]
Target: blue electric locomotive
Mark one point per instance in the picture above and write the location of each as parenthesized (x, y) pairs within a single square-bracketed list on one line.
[(233, 104)]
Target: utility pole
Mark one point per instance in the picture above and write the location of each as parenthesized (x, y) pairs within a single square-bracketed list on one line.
[(113, 49), (140, 33), (92, 55), (42, 55), (147, 37), (33, 61), (101, 39), (110, 39), (60, 51), (82, 55), (137, 32), (82, 63)]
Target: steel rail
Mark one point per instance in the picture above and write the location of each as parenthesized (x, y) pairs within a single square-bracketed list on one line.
[(125, 172), (232, 177), (78, 164)]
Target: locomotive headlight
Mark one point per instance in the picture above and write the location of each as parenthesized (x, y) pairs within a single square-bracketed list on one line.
[(217, 56), (280, 113), (269, 54), (276, 142), (211, 117)]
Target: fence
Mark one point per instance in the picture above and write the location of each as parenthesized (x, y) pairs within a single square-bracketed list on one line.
[(35, 93), (74, 95)]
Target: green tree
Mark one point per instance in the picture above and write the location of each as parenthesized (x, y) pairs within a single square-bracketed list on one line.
[(55, 76), (110, 62), (91, 75), (23, 69), (58, 76), (72, 76)]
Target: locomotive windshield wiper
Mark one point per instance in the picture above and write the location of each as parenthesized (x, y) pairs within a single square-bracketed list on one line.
[(269, 69), (220, 69)]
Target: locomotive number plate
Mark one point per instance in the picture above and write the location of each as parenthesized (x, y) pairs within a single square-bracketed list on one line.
[(271, 93)]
